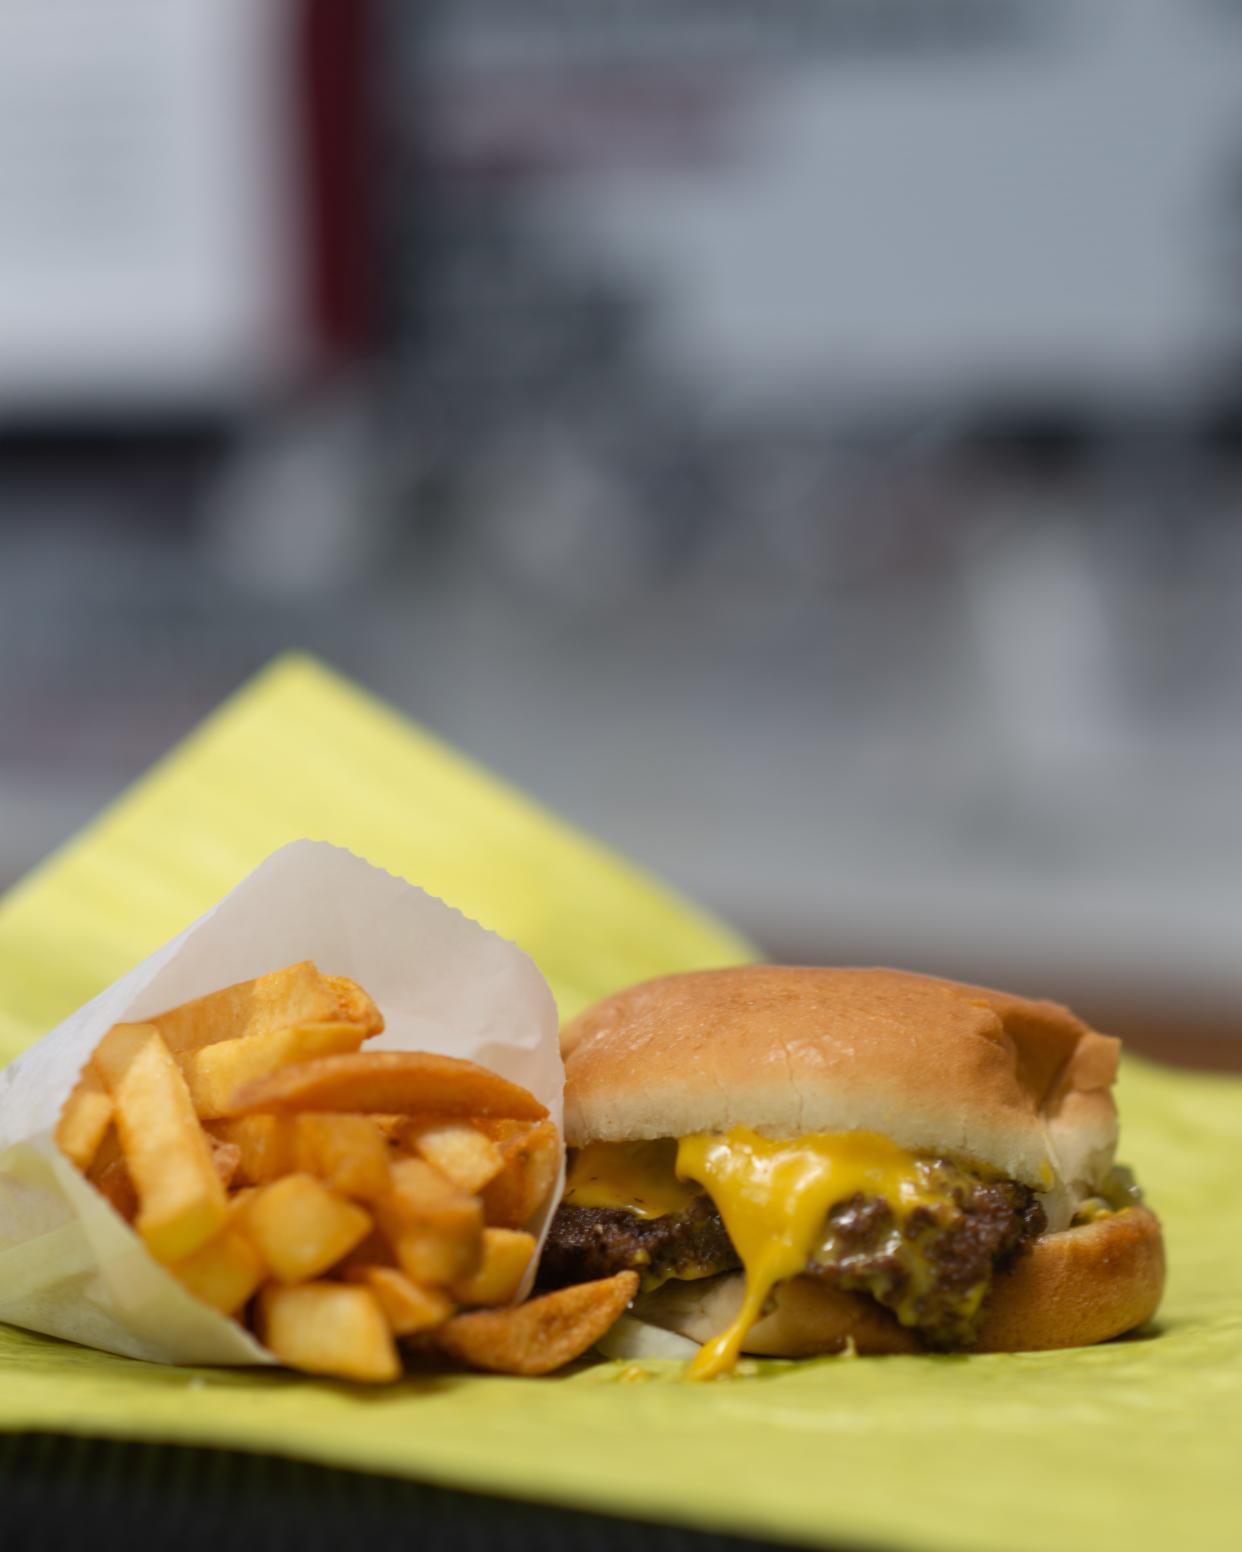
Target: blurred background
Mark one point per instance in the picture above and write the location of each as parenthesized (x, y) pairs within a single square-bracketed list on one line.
[(801, 443)]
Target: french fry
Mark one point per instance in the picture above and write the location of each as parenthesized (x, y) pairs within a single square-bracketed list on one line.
[(347, 1152), (532, 1161), (181, 1201), (332, 1198), (298, 994), (226, 1156), (108, 1152), (353, 1005), (106, 1157), (225, 1272), (498, 1128), (390, 1126), (214, 1073), (239, 1202), (267, 1145), (110, 1176), (300, 1228), (506, 1255), (407, 1307), (435, 1230), (328, 1328), (384, 1082), (538, 1336), (85, 1118), (114, 1184), (374, 1250), (458, 1150)]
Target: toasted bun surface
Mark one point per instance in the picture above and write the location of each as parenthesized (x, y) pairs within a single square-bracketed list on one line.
[(1072, 1289), (1021, 1086)]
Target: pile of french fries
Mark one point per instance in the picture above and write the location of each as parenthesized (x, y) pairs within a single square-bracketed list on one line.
[(334, 1199)]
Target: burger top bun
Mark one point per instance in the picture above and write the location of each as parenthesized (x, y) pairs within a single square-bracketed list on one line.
[(1023, 1087)]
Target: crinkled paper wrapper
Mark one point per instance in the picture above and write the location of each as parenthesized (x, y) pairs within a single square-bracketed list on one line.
[(69, 1265)]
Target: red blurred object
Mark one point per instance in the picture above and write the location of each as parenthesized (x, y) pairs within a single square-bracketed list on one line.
[(186, 225), (335, 53)]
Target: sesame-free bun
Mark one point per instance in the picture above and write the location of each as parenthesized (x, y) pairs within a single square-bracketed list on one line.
[(1071, 1289), (1022, 1087)]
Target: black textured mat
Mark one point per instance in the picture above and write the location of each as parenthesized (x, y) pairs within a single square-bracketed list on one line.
[(96, 1495)]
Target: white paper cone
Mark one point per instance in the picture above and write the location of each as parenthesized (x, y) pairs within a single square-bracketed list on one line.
[(69, 1265)]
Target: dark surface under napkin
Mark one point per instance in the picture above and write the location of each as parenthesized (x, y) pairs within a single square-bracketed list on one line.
[(61, 1494)]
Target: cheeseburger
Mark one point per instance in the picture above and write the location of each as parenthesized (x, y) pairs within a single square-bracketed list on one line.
[(799, 1161)]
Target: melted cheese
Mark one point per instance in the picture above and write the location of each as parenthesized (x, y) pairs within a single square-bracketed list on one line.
[(638, 1176), (773, 1196)]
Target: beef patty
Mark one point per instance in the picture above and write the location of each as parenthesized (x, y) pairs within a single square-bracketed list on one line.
[(932, 1269), (589, 1242)]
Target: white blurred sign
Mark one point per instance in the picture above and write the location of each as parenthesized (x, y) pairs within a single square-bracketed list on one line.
[(889, 204), (149, 258)]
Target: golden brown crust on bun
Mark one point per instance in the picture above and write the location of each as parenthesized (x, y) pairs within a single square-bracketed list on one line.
[(1021, 1086), (1072, 1289), (1081, 1286)]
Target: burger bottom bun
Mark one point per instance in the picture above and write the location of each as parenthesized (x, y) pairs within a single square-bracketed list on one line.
[(1071, 1289)]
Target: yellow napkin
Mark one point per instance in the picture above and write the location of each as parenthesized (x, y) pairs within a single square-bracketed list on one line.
[(1135, 1446)]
